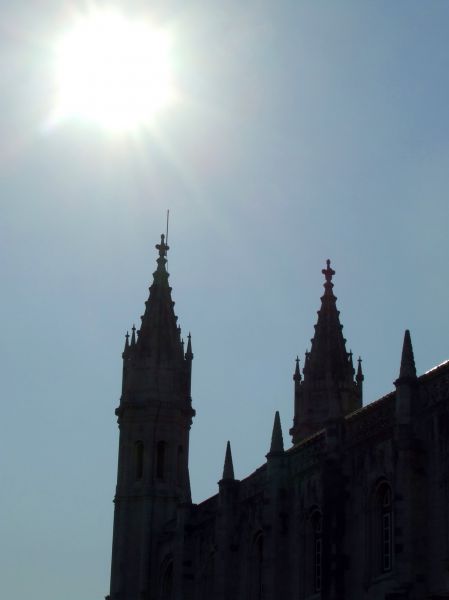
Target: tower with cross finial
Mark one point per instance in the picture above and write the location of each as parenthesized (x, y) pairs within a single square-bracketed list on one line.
[(355, 507), (154, 416), (328, 389)]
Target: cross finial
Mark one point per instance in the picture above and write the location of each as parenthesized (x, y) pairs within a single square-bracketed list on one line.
[(162, 247), (328, 272), (297, 373)]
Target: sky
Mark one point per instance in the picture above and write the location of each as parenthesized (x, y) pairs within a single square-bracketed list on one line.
[(303, 131)]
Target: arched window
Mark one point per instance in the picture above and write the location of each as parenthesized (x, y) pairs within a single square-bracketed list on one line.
[(138, 459), (381, 530), (179, 465), (317, 549), (385, 514), (160, 459), (167, 582), (256, 568)]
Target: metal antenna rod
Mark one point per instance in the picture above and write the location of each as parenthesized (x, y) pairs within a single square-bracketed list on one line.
[(166, 236)]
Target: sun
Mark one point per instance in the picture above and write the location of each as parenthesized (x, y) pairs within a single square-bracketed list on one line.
[(113, 71)]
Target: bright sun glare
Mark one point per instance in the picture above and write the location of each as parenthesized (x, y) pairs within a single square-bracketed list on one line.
[(113, 71)]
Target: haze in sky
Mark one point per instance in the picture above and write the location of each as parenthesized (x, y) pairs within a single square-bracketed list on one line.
[(301, 131)]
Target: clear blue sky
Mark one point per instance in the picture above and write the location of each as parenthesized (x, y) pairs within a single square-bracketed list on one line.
[(310, 130)]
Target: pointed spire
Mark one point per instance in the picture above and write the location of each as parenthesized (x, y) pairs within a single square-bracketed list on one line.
[(328, 352), (297, 373), (328, 388), (159, 335), (277, 441), (126, 348), (189, 353), (228, 469), (133, 337), (359, 377), (306, 361), (408, 369)]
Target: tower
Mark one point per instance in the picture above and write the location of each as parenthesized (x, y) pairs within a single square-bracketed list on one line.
[(328, 389), (154, 417)]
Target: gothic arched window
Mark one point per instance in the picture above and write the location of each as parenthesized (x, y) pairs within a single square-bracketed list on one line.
[(160, 459), (385, 516), (381, 530), (138, 459), (256, 568), (167, 582)]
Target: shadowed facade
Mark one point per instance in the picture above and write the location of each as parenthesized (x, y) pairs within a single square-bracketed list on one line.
[(356, 508)]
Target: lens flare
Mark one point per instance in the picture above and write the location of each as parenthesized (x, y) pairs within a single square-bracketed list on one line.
[(112, 71)]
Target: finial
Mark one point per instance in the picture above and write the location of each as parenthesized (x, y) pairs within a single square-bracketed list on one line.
[(228, 469), (162, 247), (408, 368), (189, 353), (306, 358), (126, 348), (328, 272), (277, 441), (161, 275), (133, 337), (297, 374), (359, 377)]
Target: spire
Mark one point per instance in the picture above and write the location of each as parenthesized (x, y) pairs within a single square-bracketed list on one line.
[(351, 362), (408, 369), (297, 374), (228, 469), (328, 352), (359, 377), (328, 389), (159, 335), (306, 361), (406, 392), (277, 441), (133, 337), (125, 353), (189, 353)]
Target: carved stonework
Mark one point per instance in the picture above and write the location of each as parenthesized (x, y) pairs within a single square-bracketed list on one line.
[(370, 421)]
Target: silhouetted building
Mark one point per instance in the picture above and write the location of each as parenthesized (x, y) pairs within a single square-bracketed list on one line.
[(355, 509)]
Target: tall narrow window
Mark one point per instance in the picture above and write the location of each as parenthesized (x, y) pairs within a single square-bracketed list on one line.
[(138, 459), (381, 530), (256, 572), (160, 460), (385, 521), (167, 582), (179, 465), (317, 527)]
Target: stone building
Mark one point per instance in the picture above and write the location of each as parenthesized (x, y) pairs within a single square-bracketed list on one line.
[(355, 509)]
